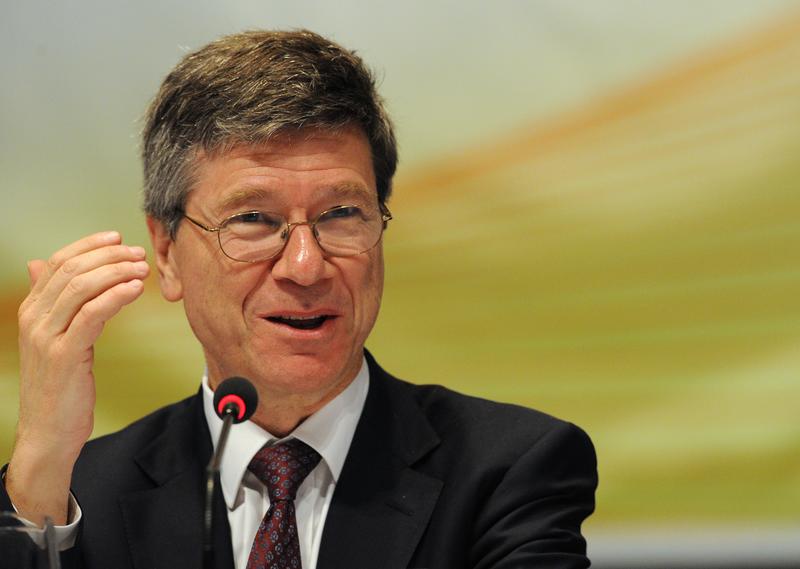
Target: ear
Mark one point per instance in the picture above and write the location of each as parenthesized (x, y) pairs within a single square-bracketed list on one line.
[(169, 276)]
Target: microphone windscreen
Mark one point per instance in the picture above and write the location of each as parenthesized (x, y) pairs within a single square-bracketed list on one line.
[(239, 391)]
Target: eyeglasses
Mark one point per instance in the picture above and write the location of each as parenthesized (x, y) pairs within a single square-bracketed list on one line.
[(341, 231)]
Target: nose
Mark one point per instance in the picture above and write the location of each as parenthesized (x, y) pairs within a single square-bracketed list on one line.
[(302, 260)]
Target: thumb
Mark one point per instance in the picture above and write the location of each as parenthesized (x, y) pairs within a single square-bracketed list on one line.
[(35, 268)]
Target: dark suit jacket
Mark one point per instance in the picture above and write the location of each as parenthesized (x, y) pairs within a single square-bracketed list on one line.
[(433, 479)]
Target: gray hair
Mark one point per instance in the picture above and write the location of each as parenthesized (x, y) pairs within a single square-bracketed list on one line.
[(247, 88)]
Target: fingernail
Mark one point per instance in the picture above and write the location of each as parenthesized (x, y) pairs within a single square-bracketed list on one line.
[(137, 251), (110, 236)]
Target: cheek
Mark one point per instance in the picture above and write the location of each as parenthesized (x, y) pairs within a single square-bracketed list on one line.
[(205, 302), (377, 284), (371, 292), (215, 291), (202, 282)]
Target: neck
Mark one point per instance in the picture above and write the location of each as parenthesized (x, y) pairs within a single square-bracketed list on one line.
[(281, 413), (281, 419)]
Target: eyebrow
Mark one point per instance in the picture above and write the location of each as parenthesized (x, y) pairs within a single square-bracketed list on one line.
[(242, 196), (351, 190)]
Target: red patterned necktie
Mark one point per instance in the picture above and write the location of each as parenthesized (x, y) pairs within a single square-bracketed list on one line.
[(282, 468)]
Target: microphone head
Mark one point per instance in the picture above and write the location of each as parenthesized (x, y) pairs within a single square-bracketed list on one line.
[(239, 393)]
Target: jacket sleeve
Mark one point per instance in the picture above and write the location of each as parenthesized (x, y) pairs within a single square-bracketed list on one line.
[(533, 517), (18, 549)]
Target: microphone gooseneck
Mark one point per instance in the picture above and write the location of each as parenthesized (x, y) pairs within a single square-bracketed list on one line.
[(235, 401)]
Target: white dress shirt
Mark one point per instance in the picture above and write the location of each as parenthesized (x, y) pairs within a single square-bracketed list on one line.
[(329, 431)]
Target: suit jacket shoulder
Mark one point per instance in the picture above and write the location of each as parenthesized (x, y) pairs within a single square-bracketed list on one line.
[(439, 479), (472, 421), (111, 461)]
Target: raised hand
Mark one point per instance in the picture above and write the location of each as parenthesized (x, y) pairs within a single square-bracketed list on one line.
[(73, 295)]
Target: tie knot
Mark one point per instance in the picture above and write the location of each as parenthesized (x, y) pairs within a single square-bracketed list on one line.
[(283, 467)]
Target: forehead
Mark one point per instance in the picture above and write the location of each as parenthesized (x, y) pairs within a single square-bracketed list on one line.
[(289, 170)]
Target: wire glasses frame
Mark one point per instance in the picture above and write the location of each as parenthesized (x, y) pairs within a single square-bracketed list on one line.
[(371, 235)]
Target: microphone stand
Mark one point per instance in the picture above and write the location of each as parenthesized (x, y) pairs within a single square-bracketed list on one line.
[(235, 400), (53, 559), (212, 472)]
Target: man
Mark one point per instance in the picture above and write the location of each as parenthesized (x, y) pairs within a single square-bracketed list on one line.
[(268, 160)]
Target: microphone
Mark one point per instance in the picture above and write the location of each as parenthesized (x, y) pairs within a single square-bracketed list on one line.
[(236, 396), (235, 401)]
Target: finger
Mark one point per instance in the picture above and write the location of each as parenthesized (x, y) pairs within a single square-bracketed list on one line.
[(83, 288), (83, 263), (35, 269), (83, 245), (88, 323)]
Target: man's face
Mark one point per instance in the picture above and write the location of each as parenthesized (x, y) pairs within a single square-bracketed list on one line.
[(238, 310)]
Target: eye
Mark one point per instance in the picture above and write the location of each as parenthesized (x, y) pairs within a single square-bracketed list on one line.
[(255, 221), (249, 217), (343, 212)]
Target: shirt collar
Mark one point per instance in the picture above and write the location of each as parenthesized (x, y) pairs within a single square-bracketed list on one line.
[(329, 431)]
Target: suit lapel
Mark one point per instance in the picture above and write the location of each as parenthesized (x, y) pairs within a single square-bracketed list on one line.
[(381, 505), (163, 525)]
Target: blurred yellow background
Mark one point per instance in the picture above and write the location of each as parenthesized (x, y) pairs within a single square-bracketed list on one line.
[(597, 214)]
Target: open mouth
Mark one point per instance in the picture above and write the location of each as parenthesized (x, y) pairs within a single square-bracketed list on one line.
[(300, 322)]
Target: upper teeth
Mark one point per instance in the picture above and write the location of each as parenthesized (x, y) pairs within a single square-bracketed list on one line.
[(299, 317)]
